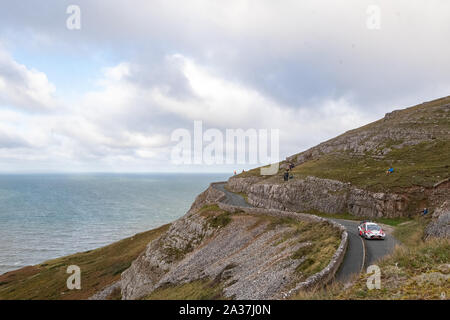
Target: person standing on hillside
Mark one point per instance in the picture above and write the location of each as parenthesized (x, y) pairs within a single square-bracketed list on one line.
[(286, 175)]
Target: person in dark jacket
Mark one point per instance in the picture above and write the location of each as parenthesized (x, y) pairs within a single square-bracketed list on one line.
[(286, 175)]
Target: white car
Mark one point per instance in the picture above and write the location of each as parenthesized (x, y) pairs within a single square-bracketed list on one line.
[(371, 230)]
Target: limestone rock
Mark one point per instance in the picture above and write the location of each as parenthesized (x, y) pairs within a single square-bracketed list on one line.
[(440, 224)]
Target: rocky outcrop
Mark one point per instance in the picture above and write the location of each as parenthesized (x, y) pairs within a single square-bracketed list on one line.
[(237, 184), (320, 278), (397, 129), (106, 292), (427, 124), (332, 196), (440, 224), (251, 257), (163, 253), (322, 195), (246, 257)]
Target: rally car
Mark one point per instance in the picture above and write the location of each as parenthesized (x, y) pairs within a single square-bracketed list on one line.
[(371, 230)]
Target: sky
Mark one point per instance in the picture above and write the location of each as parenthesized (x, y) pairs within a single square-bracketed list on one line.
[(107, 97)]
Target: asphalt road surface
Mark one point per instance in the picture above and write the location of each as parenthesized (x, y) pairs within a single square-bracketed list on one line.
[(232, 198), (360, 254)]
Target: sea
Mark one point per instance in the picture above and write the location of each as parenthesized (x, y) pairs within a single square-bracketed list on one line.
[(46, 216)]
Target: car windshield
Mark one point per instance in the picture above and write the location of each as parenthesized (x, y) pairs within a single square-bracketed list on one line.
[(373, 227)]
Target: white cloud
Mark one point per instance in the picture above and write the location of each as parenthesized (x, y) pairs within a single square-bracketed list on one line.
[(24, 88), (310, 68), (218, 102), (98, 131)]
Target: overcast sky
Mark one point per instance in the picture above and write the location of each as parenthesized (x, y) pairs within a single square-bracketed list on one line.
[(108, 96)]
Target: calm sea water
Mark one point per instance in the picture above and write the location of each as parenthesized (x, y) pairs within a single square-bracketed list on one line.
[(48, 216)]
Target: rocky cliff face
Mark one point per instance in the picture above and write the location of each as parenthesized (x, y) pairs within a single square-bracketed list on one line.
[(331, 196), (250, 256), (400, 128), (347, 174), (163, 253), (440, 225)]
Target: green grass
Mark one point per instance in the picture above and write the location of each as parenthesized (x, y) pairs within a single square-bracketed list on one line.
[(324, 242), (256, 172), (347, 216), (402, 271), (207, 209), (196, 290), (423, 164), (216, 217), (99, 268), (413, 259), (411, 233), (420, 165), (220, 220)]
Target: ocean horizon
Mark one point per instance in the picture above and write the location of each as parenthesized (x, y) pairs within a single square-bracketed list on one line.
[(46, 216)]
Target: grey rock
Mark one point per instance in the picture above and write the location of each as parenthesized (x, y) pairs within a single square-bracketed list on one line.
[(440, 224), (323, 195)]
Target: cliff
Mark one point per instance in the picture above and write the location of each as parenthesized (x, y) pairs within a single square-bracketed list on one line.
[(236, 254), (440, 225), (347, 174), (252, 253), (221, 249)]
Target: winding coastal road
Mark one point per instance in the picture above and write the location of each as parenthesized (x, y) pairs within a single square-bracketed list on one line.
[(360, 252)]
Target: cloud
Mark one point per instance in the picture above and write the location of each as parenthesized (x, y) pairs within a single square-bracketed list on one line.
[(292, 51), (23, 88), (310, 68), (11, 141), (128, 119), (131, 117)]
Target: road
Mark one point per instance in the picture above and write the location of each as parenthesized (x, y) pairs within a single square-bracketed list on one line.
[(232, 198), (360, 253)]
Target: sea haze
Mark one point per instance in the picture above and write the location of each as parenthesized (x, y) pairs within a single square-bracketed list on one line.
[(47, 216)]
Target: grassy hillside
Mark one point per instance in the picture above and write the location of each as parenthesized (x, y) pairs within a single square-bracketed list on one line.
[(416, 269), (414, 141), (99, 268), (423, 164)]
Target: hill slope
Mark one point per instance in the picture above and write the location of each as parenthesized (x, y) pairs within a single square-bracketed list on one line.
[(347, 174)]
